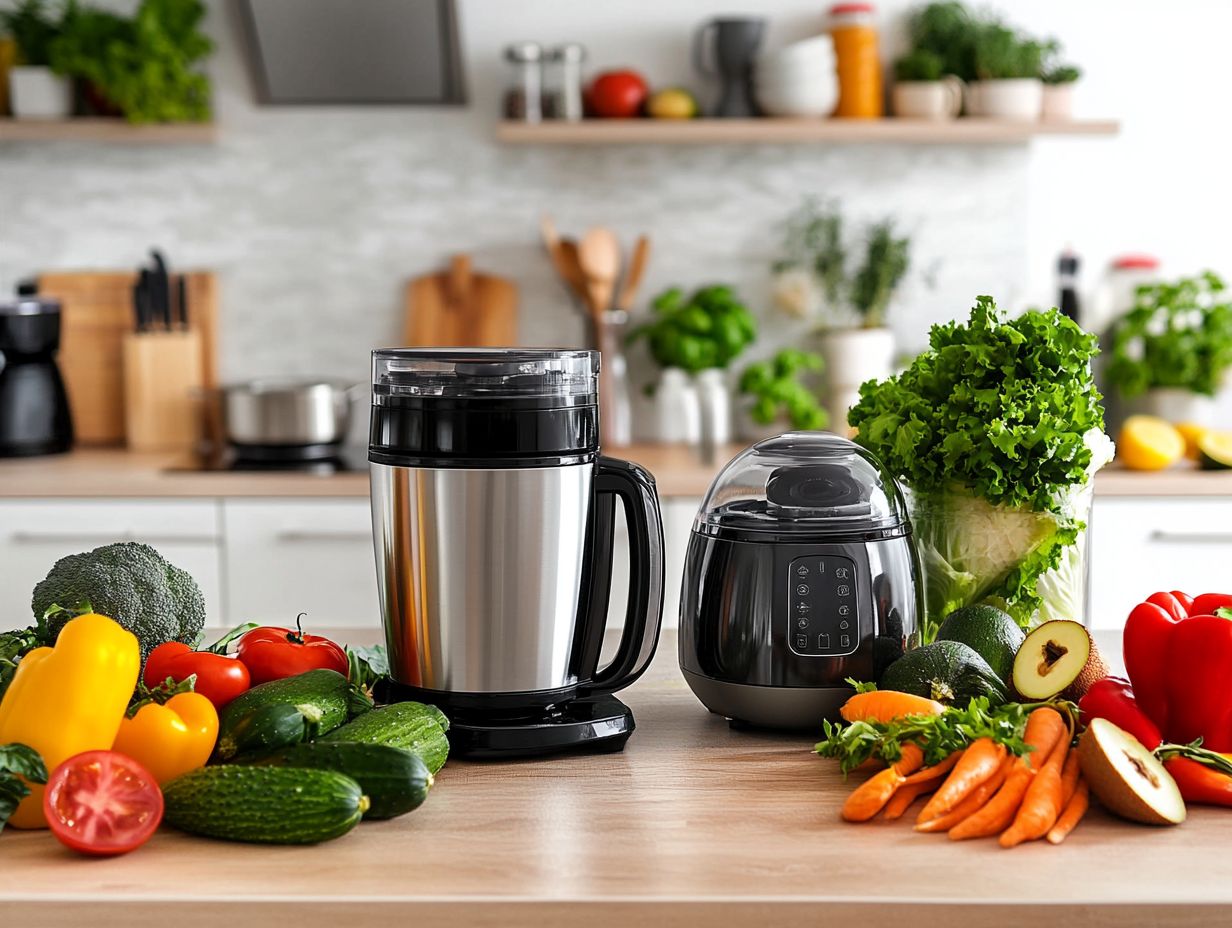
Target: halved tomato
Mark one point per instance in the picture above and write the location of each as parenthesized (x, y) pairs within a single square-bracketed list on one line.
[(102, 803)]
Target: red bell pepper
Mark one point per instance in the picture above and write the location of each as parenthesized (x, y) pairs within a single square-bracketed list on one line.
[(1211, 603), (219, 679), (1202, 776), (273, 653)]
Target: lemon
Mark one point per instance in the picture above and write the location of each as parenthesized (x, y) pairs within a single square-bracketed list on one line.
[(1193, 433), (1148, 443), (1215, 451)]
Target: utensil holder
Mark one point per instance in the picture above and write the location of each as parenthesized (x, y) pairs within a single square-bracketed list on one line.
[(163, 379)]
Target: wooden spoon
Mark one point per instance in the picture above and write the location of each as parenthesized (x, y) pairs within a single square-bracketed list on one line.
[(599, 256), (634, 274)]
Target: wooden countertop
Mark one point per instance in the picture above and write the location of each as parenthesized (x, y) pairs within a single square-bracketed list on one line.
[(693, 824), (678, 471)]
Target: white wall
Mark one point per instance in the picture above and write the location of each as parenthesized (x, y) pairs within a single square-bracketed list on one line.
[(315, 216)]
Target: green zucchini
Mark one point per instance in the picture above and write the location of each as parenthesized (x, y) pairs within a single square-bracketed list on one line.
[(408, 725), (265, 728), (323, 691), (264, 805), (394, 780)]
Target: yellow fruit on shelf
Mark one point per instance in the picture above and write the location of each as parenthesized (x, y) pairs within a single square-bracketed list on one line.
[(1193, 433), (672, 103), (1148, 443), (1215, 451)]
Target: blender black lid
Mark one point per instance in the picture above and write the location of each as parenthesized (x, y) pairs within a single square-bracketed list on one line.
[(804, 483)]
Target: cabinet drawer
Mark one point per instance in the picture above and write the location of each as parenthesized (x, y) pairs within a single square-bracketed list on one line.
[(34, 534), (314, 557), (1141, 545)]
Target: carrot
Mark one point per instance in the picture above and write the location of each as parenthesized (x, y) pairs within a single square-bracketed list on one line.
[(905, 795), (972, 804), (1041, 804), (935, 772), (870, 797), (1045, 727), (1070, 774), (979, 763), (887, 706), (1075, 809)]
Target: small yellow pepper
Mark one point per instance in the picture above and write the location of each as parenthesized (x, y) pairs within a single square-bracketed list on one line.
[(69, 699), (170, 739)]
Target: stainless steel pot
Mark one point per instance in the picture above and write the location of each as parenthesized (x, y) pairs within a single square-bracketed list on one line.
[(286, 412)]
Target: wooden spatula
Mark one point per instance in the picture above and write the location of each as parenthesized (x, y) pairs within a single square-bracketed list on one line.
[(634, 274)]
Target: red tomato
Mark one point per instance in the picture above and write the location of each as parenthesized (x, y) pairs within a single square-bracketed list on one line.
[(102, 803), (617, 94), (219, 678), (272, 653)]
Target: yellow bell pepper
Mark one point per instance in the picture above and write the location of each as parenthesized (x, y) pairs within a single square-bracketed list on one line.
[(69, 699), (170, 739)]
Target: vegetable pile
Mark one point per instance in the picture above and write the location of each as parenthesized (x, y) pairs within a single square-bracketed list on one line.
[(280, 743), (996, 430)]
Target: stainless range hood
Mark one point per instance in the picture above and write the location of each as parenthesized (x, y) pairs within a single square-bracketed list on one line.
[(355, 51)]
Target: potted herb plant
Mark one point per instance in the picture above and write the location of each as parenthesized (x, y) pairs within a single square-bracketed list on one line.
[(776, 396), (688, 336), (1007, 68), (922, 89), (145, 67), (35, 90), (1171, 352), (1058, 102)]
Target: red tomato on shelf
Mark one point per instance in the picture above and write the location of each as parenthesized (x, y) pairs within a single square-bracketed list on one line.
[(272, 653), (102, 803), (617, 94)]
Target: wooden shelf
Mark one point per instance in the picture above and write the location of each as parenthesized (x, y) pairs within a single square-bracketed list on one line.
[(964, 131), (108, 131)]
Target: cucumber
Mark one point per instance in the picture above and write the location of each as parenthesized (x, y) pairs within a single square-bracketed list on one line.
[(264, 805), (265, 728), (947, 671), (323, 691), (408, 725), (394, 780)]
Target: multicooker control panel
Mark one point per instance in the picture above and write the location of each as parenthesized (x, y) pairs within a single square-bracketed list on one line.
[(824, 615)]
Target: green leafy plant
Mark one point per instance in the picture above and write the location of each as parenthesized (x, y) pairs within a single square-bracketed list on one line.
[(1003, 53), (708, 329), (19, 766), (1177, 334), (1061, 74), (919, 64), (946, 30), (146, 65), (33, 27), (887, 258), (777, 391), (995, 429)]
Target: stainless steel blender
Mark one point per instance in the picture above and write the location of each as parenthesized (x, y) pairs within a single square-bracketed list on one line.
[(493, 518)]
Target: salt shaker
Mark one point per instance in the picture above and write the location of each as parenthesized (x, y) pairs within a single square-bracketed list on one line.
[(566, 97), (524, 98)]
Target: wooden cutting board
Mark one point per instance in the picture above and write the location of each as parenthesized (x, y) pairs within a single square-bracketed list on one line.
[(459, 308), (96, 315)]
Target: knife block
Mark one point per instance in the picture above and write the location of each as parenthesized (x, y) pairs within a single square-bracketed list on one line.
[(163, 380)]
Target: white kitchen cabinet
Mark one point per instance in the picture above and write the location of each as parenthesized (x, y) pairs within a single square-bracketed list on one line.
[(34, 534), (1142, 544), (313, 556)]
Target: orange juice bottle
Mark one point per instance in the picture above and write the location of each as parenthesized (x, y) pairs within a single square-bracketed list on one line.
[(859, 66)]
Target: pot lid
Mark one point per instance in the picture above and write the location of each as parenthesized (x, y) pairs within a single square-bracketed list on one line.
[(806, 483), (484, 373)]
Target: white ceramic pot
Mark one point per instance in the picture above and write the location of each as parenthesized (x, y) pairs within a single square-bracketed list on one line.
[(1058, 103), (678, 413), (1173, 404), (37, 92), (1017, 99), (941, 99), (855, 355)]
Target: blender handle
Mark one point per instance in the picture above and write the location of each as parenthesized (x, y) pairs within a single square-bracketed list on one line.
[(635, 488)]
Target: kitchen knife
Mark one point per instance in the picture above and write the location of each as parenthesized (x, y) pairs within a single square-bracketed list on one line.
[(181, 304), (160, 291), (141, 300)]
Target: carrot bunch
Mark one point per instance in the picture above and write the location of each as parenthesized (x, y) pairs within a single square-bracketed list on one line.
[(983, 790)]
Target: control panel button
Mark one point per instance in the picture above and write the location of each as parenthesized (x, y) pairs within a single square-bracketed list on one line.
[(803, 608), (801, 623), (844, 610), (844, 641), (823, 641), (843, 590), (843, 573), (802, 571), (844, 624), (802, 642), (802, 590), (823, 595)]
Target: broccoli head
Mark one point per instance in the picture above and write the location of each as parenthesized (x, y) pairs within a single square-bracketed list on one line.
[(131, 583)]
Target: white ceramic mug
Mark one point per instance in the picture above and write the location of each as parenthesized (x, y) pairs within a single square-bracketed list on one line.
[(928, 99)]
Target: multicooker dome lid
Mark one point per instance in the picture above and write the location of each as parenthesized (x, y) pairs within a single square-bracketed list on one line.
[(803, 483)]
